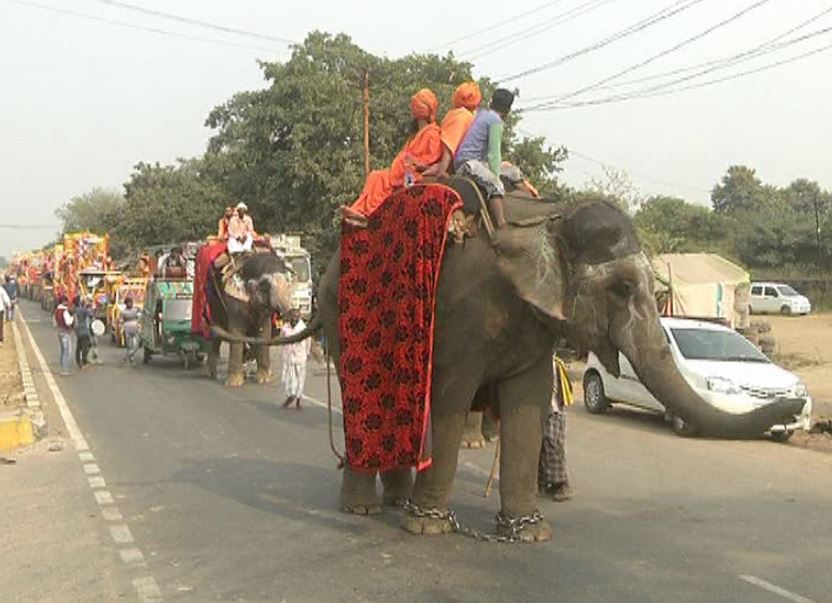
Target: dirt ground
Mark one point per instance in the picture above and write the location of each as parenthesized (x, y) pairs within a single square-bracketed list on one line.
[(11, 386)]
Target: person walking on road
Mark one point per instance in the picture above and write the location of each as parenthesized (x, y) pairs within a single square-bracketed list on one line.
[(5, 305), (83, 323), (294, 360), (552, 477), (64, 321), (10, 285), (130, 324)]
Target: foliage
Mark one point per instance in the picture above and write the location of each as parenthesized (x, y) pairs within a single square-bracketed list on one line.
[(740, 191), (617, 186), (539, 162), (670, 225), (96, 211)]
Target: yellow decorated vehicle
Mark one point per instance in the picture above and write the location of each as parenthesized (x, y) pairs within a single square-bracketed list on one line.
[(128, 287)]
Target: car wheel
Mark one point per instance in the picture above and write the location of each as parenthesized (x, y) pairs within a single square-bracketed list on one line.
[(786, 310), (595, 400), (782, 435), (683, 428)]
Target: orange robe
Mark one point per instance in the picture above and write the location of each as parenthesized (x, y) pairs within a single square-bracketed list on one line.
[(454, 126), (424, 149)]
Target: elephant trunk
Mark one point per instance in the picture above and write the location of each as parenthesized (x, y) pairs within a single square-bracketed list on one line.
[(652, 359), (313, 327)]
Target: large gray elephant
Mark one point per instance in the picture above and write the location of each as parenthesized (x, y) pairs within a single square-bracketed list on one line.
[(559, 269), (267, 283)]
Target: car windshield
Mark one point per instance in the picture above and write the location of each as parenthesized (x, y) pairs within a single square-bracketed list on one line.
[(300, 266), (787, 291), (177, 309), (708, 344)]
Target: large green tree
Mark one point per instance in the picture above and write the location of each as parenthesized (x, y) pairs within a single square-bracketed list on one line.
[(97, 211), (294, 151), (740, 190)]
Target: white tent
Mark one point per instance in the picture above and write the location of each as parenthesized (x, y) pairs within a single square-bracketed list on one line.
[(703, 285)]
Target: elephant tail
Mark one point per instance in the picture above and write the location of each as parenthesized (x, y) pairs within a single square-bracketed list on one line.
[(310, 330)]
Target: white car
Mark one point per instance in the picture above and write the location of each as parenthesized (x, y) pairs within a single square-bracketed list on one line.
[(777, 298), (722, 366)]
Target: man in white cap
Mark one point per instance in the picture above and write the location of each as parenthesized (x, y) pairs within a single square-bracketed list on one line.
[(240, 231)]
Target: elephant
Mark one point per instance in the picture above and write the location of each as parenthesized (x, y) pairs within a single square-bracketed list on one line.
[(558, 269), (267, 282)]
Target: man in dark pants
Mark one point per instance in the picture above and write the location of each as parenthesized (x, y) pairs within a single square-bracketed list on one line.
[(83, 322), (552, 477)]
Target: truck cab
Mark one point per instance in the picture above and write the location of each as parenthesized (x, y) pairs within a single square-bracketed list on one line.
[(298, 260)]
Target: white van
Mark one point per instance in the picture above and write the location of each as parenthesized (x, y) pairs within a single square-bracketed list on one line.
[(777, 298)]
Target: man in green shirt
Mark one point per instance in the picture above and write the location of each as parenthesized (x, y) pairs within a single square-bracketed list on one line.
[(479, 156)]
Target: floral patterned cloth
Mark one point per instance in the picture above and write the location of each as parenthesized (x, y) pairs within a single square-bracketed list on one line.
[(389, 272)]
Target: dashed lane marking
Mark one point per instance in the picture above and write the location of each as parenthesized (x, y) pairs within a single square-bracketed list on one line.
[(773, 588), (146, 587)]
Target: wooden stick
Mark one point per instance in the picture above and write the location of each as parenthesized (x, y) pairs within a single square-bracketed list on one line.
[(493, 473)]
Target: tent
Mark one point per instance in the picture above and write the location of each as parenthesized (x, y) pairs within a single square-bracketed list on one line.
[(703, 285)]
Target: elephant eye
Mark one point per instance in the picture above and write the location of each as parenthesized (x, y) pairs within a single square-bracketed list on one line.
[(622, 289)]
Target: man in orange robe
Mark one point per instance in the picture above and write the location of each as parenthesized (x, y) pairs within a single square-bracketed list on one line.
[(422, 151), (467, 98)]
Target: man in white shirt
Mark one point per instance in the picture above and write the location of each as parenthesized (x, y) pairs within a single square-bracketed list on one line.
[(294, 360), (5, 306), (63, 321)]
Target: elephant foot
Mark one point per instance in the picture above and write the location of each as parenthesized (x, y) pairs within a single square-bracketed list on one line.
[(264, 377), (397, 486), (473, 441), (235, 380), (362, 509), (536, 532), (427, 526), (472, 431)]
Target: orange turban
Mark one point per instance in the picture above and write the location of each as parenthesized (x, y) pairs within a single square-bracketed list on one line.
[(424, 105), (467, 95)]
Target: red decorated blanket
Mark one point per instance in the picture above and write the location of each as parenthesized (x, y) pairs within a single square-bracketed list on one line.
[(389, 273), (200, 311)]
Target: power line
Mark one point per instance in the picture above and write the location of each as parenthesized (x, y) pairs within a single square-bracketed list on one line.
[(662, 15), (29, 226), (155, 30), (189, 21), (525, 34), (741, 74), (497, 25), (657, 56)]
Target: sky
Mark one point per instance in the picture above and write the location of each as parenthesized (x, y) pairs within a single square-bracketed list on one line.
[(84, 100)]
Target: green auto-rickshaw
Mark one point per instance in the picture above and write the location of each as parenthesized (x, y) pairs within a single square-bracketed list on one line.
[(165, 324)]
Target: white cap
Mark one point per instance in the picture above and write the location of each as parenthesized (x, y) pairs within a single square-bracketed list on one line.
[(242, 206)]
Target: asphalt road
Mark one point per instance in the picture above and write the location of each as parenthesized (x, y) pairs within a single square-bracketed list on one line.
[(232, 498)]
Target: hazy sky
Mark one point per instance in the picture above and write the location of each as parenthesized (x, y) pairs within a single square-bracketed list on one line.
[(82, 101)]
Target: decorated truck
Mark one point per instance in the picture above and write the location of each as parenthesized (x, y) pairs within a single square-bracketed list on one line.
[(298, 260)]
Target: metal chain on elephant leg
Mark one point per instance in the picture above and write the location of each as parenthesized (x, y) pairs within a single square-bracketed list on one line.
[(511, 525)]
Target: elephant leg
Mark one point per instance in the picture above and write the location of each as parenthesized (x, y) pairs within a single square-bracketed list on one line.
[(213, 357), (490, 427), (432, 489), (398, 486), (524, 402), (358, 493), (472, 431), (264, 362), (236, 377)]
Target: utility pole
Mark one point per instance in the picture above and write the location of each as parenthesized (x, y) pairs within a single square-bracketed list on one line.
[(366, 123)]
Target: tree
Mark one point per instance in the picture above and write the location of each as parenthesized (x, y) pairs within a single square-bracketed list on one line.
[(170, 203), (539, 163), (617, 186), (96, 211), (739, 190), (294, 151), (806, 197), (670, 225)]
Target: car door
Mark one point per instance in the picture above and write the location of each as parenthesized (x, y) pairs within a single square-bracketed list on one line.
[(757, 299), (631, 390), (772, 299)]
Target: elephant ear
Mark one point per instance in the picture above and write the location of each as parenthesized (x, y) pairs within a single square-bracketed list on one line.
[(530, 257)]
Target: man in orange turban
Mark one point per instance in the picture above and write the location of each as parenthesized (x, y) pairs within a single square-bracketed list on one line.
[(467, 99), (421, 152)]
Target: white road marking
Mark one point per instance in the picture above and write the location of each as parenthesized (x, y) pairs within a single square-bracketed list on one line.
[(96, 482), (86, 457), (335, 409), (103, 497), (111, 514), (476, 469), (91, 469), (132, 556), (147, 589), (121, 533), (66, 414), (773, 588)]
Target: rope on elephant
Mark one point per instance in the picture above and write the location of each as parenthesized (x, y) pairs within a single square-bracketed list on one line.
[(341, 459)]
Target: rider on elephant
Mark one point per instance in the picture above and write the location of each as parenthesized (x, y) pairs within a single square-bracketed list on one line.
[(419, 157), (467, 98), (240, 231)]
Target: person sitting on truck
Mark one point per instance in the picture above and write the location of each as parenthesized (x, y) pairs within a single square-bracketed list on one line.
[(240, 231), (419, 157), (174, 266)]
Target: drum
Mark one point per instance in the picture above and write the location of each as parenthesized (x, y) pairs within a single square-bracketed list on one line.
[(98, 327)]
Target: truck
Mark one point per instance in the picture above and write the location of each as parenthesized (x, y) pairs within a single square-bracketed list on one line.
[(288, 247)]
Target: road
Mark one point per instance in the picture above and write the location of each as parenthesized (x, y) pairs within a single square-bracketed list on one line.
[(229, 497)]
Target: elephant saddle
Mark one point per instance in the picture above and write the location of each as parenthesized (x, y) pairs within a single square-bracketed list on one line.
[(389, 273)]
